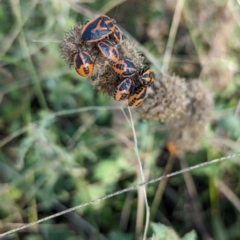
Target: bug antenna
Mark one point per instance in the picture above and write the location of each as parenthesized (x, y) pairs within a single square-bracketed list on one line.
[(121, 22), (115, 12)]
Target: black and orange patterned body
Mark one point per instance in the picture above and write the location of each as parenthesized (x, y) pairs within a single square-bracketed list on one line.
[(147, 77), (108, 51), (83, 63), (97, 29), (123, 90), (116, 35), (136, 98), (125, 68)]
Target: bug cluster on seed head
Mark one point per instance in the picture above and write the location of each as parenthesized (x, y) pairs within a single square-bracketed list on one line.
[(98, 50)]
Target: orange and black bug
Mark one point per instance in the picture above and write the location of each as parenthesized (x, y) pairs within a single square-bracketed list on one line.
[(125, 68), (116, 36), (123, 90), (83, 63), (137, 97), (108, 51), (97, 29), (147, 77)]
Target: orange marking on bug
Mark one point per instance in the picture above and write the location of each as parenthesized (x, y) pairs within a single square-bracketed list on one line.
[(122, 91), (116, 36), (83, 63), (137, 97), (148, 77), (108, 51), (97, 29), (125, 68)]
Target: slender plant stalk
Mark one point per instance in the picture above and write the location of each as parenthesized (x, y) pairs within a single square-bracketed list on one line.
[(97, 200)]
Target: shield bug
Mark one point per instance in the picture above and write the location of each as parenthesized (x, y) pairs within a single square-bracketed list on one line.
[(125, 68), (108, 51), (116, 35), (123, 90), (137, 97), (97, 29), (147, 77), (83, 63)]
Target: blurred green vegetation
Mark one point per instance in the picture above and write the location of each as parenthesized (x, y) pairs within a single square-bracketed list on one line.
[(49, 163)]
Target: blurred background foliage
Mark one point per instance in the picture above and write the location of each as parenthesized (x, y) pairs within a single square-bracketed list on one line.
[(50, 162)]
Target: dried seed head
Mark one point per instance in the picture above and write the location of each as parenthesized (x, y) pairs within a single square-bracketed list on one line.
[(188, 130), (166, 99), (200, 105)]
